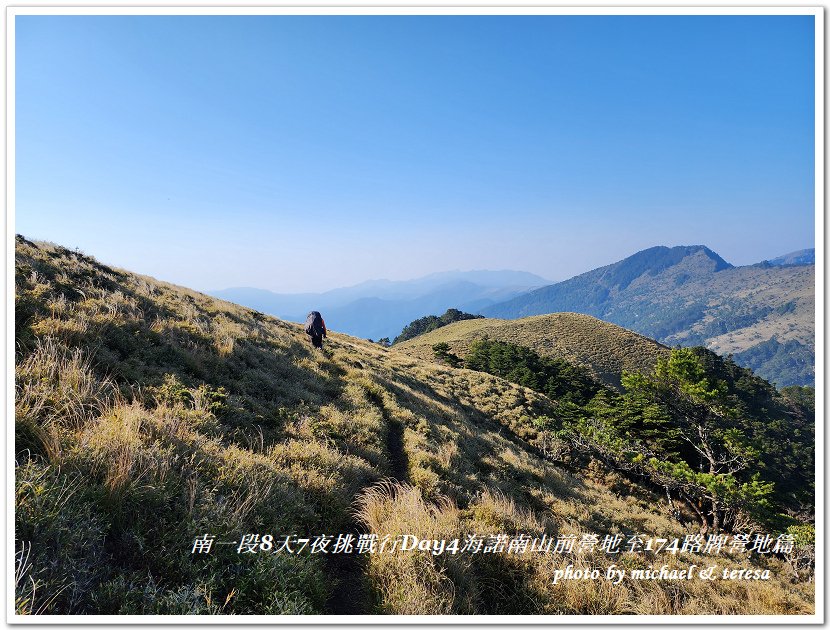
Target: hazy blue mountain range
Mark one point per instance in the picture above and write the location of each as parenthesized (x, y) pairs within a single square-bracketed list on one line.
[(381, 308), (763, 314)]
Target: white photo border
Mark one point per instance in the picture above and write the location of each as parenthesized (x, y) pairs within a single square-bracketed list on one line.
[(339, 7)]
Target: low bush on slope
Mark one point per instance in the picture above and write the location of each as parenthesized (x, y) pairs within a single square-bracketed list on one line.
[(429, 323)]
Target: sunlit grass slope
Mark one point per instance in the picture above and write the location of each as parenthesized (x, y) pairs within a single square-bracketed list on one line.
[(606, 349), (148, 414)]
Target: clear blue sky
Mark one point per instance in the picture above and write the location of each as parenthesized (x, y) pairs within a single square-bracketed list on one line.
[(306, 153)]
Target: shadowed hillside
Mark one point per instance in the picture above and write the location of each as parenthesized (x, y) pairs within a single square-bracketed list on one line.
[(148, 415), (604, 348)]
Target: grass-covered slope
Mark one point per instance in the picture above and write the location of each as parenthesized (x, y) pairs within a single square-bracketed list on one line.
[(605, 349), (148, 415)]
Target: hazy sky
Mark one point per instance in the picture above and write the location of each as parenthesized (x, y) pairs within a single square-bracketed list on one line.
[(306, 153)]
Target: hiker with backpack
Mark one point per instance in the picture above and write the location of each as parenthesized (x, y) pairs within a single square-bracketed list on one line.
[(315, 328)]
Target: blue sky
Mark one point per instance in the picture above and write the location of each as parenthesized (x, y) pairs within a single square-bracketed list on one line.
[(306, 153)]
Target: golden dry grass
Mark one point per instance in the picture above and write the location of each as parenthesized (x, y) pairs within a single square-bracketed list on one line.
[(605, 349), (148, 414)]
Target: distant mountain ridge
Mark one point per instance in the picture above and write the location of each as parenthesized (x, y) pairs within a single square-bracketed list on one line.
[(381, 308), (801, 257), (594, 292), (688, 295)]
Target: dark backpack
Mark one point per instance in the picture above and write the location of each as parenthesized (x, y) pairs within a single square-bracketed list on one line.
[(314, 324)]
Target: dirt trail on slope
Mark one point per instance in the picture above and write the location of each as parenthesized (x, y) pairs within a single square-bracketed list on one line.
[(351, 594), (398, 459)]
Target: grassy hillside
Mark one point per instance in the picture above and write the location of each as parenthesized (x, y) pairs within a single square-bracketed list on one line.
[(429, 323), (147, 415), (763, 314), (605, 349)]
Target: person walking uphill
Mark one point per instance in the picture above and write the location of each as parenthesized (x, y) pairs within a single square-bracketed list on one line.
[(315, 328)]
